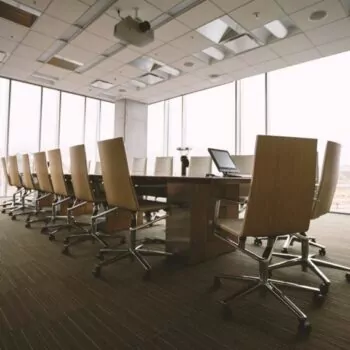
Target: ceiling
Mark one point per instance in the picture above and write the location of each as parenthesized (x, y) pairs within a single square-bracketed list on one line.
[(175, 44)]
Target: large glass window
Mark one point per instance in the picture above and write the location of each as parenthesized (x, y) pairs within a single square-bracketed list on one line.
[(210, 119), (4, 104), (72, 125), (252, 112), (49, 119), (107, 120), (155, 134), (91, 123), (24, 118), (311, 100)]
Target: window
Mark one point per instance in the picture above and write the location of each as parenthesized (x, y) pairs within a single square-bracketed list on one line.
[(91, 122), (252, 112), (24, 118), (107, 120), (4, 104), (49, 119), (210, 119), (174, 107), (311, 100), (72, 125), (155, 134)]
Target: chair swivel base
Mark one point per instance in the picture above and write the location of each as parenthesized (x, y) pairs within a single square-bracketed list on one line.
[(137, 253), (268, 285), (309, 262)]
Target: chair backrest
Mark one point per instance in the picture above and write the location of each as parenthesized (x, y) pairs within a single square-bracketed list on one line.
[(282, 188), (27, 179), (42, 172), (97, 170), (328, 181), (245, 163), (4, 169), (199, 166), (56, 171), (139, 166), (80, 174), (164, 166), (117, 182), (13, 171)]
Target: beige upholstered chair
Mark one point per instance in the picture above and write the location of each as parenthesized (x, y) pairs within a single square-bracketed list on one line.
[(164, 166), (321, 206), (85, 192), (199, 166), (120, 194), (245, 163), (139, 166), (279, 203), (16, 197)]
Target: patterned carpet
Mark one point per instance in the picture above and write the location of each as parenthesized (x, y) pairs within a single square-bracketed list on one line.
[(51, 301)]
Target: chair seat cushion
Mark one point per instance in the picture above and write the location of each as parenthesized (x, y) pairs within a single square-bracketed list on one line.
[(233, 226), (146, 205)]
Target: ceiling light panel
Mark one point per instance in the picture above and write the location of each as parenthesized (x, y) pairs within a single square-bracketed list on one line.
[(100, 84), (214, 53), (150, 78), (241, 44), (277, 28), (21, 7), (66, 10)]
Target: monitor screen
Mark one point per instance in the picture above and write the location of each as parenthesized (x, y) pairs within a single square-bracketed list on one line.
[(222, 160)]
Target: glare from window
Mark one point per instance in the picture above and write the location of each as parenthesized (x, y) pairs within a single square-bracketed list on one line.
[(91, 123), (107, 120)]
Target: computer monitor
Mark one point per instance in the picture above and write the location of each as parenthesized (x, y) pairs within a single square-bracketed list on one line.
[(223, 161)]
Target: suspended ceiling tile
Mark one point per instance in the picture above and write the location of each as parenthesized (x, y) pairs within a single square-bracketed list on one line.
[(171, 30), (290, 6), (50, 26), (11, 72), (188, 64), (12, 31), (335, 47), (164, 5), (22, 63), (38, 41), (230, 65), (53, 71), (167, 54), (40, 5), (66, 10), (331, 32), (104, 27), (266, 10), (230, 5), (129, 71), (126, 55), (92, 42), (7, 45), (291, 45), (191, 42), (77, 54), (200, 14), (262, 54), (78, 79), (27, 52), (109, 64), (153, 45), (301, 57), (270, 66), (334, 9)]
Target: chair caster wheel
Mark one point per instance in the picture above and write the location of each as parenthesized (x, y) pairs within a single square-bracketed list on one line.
[(96, 271), (27, 219), (13, 217), (147, 275), (27, 225), (324, 288), (66, 241), (216, 283), (304, 327), (322, 252), (3, 211), (51, 237), (44, 230), (319, 298), (258, 242), (226, 312), (347, 276), (284, 250), (65, 251)]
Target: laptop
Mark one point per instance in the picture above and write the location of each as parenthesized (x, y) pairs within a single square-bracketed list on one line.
[(224, 162)]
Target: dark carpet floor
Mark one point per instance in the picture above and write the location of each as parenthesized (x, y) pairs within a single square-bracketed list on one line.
[(51, 301)]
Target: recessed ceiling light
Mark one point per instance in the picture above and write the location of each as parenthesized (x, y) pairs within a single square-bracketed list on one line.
[(318, 15), (189, 64), (100, 84)]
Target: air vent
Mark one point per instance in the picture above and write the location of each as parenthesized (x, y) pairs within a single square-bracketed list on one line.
[(64, 63), (150, 78), (18, 13)]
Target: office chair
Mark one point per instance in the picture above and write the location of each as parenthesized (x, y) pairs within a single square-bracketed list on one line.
[(199, 166), (139, 166), (278, 204), (321, 206), (85, 192), (28, 183), (120, 195), (64, 195), (13, 202)]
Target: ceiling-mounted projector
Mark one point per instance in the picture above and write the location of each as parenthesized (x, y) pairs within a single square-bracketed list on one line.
[(134, 31)]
